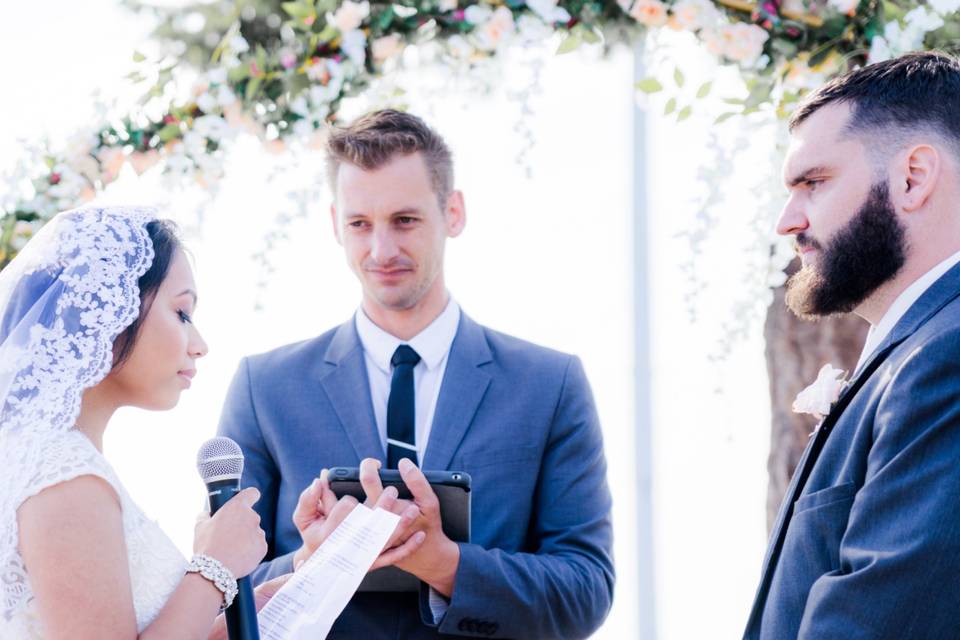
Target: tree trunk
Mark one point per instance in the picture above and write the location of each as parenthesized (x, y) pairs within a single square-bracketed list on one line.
[(796, 350)]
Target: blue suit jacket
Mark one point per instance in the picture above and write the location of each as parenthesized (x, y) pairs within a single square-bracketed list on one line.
[(867, 542), (520, 419)]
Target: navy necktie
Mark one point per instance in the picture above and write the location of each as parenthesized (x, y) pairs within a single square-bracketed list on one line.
[(401, 415)]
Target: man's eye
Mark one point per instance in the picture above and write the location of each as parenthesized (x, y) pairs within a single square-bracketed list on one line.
[(184, 316), (406, 220), (357, 224), (813, 184)]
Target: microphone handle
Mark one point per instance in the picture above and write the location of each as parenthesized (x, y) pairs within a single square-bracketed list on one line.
[(242, 614)]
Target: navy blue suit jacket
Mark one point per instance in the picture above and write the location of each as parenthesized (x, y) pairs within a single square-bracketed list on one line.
[(520, 419), (867, 542)]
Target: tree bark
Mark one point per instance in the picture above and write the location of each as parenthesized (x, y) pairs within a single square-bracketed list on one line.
[(795, 351)]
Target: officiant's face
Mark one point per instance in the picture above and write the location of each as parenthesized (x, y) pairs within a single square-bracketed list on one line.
[(393, 229), (846, 229)]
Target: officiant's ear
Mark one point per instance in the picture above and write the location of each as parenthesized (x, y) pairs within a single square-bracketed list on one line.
[(917, 171), (455, 214), (336, 227)]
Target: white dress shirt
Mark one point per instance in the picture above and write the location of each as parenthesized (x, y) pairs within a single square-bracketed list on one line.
[(900, 306), (432, 345)]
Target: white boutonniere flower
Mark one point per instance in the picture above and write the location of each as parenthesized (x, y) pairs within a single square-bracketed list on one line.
[(819, 397)]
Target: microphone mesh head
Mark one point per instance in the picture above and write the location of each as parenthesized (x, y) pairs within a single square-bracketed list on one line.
[(219, 458)]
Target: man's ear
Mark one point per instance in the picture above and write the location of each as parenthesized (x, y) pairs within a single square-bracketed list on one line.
[(919, 173), (336, 225), (456, 214)]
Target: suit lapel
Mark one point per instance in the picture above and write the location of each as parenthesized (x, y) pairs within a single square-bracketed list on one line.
[(348, 390), (941, 293), (463, 387)]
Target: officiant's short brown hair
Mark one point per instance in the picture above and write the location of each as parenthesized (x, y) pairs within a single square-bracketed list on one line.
[(374, 139)]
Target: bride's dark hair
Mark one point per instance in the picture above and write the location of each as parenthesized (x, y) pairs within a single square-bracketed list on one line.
[(163, 234)]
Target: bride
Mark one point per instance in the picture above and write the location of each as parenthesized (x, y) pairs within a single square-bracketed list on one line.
[(95, 314)]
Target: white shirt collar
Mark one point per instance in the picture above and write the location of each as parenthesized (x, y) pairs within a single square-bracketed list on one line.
[(432, 344), (901, 305)]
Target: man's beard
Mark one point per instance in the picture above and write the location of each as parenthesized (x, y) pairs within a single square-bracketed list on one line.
[(866, 253)]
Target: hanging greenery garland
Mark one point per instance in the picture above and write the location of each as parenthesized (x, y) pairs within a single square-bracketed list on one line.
[(281, 70)]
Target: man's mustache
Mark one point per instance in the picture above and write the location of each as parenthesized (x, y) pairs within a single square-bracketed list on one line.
[(803, 241)]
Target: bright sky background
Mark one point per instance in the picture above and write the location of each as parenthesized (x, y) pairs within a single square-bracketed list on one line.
[(547, 258)]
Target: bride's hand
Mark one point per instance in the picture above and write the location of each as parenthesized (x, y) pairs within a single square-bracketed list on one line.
[(233, 535), (319, 512)]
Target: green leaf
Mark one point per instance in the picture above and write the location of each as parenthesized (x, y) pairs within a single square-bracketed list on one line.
[(735, 101), (138, 57), (670, 106), (169, 132), (570, 43), (649, 85), (684, 113), (590, 36), (723, 117), (678, 77), (252, 86), (299, 10), (704, 90)]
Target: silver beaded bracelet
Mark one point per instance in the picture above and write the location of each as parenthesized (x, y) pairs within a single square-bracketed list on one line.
[(214, 571)]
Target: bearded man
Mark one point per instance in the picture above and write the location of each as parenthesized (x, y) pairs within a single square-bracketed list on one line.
[(867, 541)]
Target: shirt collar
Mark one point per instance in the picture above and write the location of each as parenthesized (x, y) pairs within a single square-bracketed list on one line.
[(432, 344), (901, 305)]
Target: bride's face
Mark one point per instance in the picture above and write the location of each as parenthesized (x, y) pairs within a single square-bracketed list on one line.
[(163, 360)]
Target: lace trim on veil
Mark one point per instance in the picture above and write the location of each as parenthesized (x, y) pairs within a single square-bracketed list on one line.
[(73, 290)]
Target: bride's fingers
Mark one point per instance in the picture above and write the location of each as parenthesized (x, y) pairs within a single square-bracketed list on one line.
[(307, 505), (401, 553), (328, 500)]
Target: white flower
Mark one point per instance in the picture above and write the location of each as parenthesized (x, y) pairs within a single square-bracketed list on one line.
[(206, 102), (739, 42), (944, 7), (477, 14), (385, 47), (695, 14), (922, 19), (847, 7), (217, 75), (819, 397), (225, 96), (548, 11), (448, 5), (212, 127), (533, 29), (354, 44), (651, 13), (879, 50), (497, 29), (238, 44), (350, 15)]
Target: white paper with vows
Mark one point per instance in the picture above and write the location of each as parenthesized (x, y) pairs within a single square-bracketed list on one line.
[(307, 606)]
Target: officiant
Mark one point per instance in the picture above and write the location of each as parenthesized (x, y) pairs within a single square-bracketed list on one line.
[(519, 418)]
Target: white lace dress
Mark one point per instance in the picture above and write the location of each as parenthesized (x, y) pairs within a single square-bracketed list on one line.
[(156, 565)]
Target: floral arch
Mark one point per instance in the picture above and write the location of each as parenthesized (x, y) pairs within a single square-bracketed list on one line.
[(281, 70)]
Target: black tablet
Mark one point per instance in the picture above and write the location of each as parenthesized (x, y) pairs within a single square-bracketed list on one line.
[(453, 492)]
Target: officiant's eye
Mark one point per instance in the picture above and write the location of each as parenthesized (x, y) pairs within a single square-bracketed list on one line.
[(812, 184), (184, 317)]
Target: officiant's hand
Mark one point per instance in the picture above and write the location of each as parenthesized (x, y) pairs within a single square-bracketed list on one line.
[(319, 512), (436, 557)]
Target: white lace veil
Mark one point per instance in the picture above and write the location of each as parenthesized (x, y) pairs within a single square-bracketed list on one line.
[(63, 301)]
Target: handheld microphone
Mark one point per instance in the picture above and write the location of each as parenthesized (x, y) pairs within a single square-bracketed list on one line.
[(220, 463)]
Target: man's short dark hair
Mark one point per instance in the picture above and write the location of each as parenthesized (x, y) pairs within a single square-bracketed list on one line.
[(913, 92), (376, 138)]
